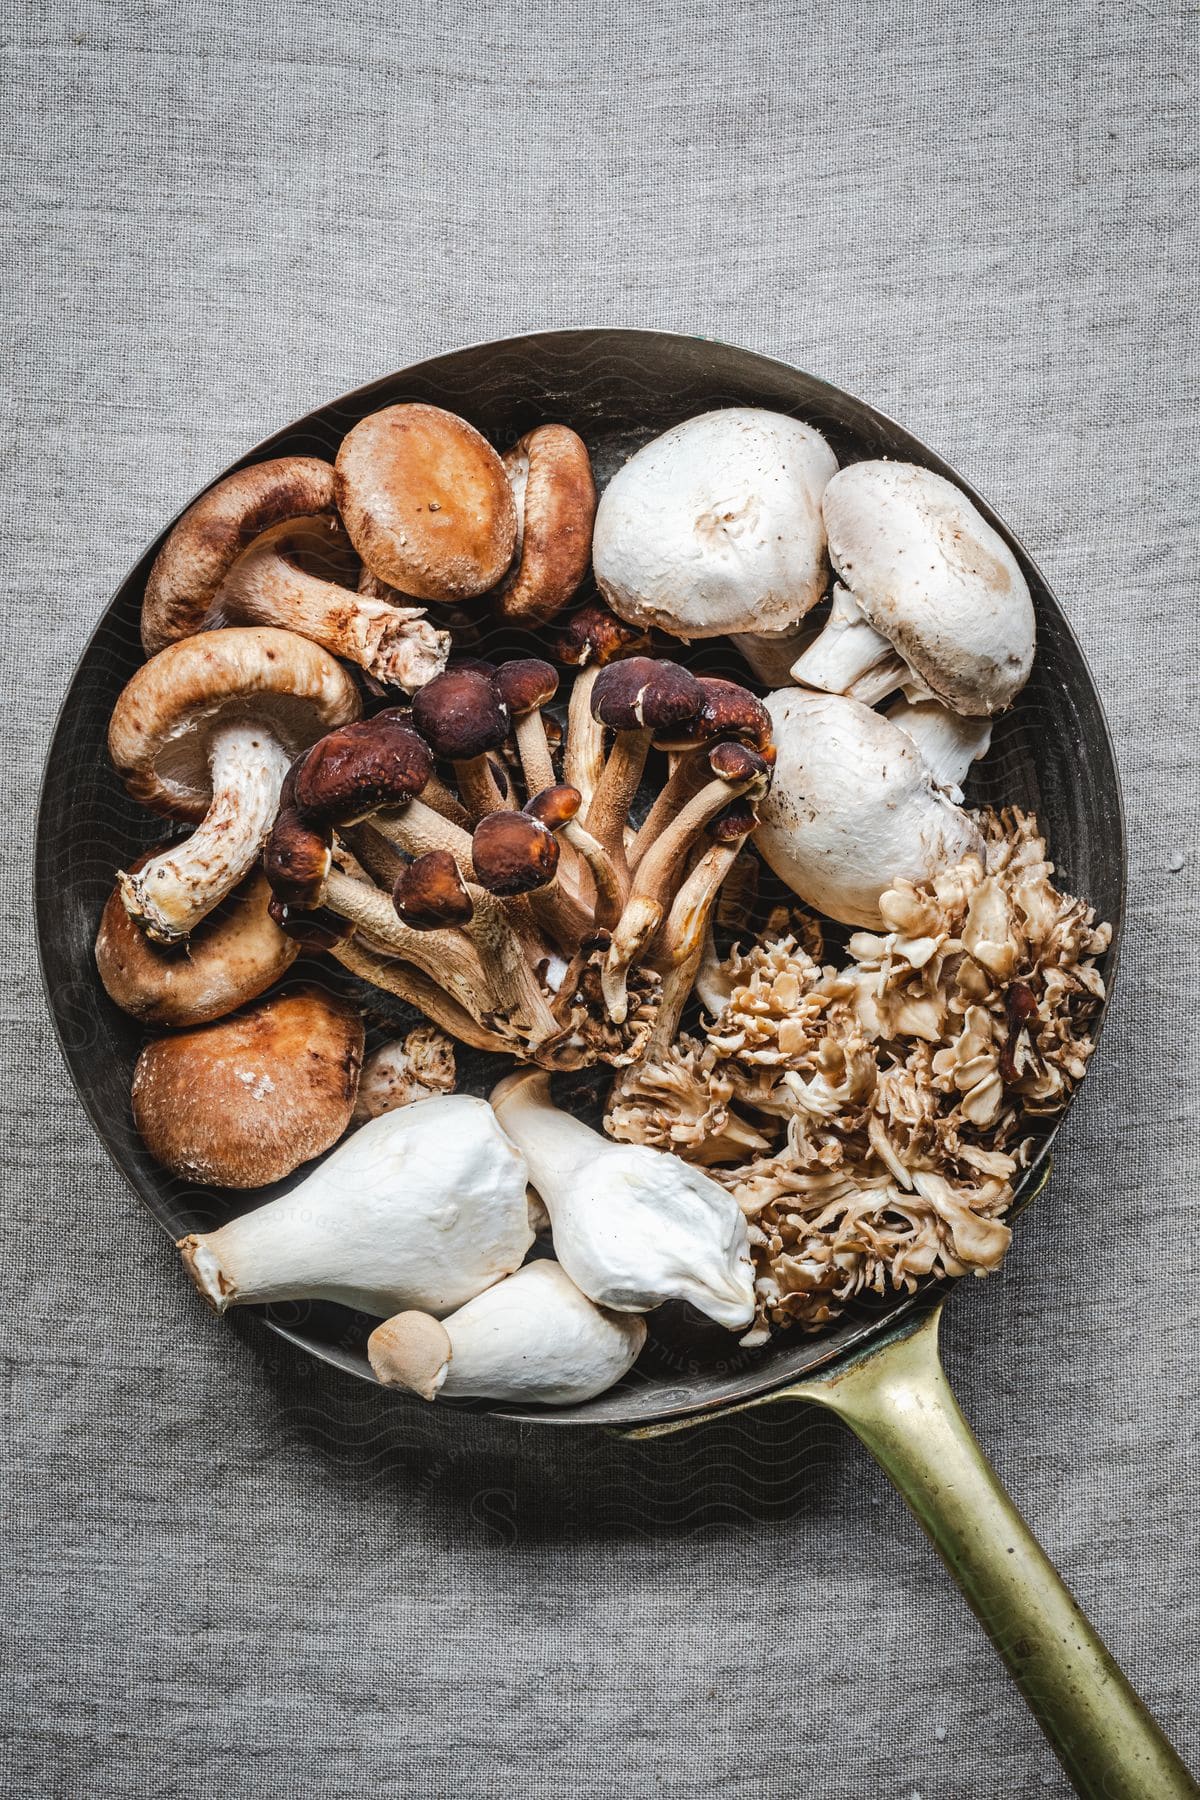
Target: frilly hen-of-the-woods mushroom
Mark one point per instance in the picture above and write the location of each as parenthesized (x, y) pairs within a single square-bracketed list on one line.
[(715, 528), (533, 1337), (419, 1209), (930, 600), (243, 1102), (853, 807), (632, 1227), (205, 731)]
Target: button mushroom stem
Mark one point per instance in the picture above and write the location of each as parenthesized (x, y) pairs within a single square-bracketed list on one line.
[(948, 743), (269, 585), (849, 656), (180, 886)]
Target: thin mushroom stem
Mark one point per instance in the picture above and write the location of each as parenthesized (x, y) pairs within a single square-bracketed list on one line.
[(416, 828), (443, 800), (610, 890), (583, 753), (948, 743), (533, 748), (175, 890), (850, 656), (478, 787), (447, 956), (683, 941), (686, 777), (608, 813), (415, 988)]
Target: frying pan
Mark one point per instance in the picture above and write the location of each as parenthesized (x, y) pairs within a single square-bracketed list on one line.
[(879, 1368)]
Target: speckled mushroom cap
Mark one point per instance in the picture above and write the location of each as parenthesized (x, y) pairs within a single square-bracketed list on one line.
[(230, 957), (716, 526), (551, 474), (427, 502), (163, 722), (929, 573), (853, 807), (213, 532), (245, 1101)]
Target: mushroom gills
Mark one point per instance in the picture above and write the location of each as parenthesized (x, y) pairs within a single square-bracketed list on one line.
[(178, 888), (420, 1208), (632, 1226), (533, 1337)]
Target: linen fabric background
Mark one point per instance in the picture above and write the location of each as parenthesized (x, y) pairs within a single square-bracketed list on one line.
[(231, 1570)]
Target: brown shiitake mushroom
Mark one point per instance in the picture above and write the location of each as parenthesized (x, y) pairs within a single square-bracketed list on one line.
[(555, 494), (233, 956), (243, 1102)]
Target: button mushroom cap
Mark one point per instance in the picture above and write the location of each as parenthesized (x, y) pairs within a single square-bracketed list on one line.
[(632, 1226), (853, 807), (213, 532), (533, 1337), (427, 502), (232, 957), (165, 717), (243, 1102), (551, 475), (716, 526), (928, 573), (421, 1208)]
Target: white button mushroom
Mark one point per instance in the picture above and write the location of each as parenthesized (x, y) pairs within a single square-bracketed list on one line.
[(533, 1337), (853, 807), (631, 1226), (932, 599), (424, 1208), (715, 527)]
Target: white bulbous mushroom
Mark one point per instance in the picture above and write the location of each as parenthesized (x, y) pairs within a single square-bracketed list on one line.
[(533, 1337), (853, 807), (420, 1208), (632, 1226), (930, 597), (715, 528)]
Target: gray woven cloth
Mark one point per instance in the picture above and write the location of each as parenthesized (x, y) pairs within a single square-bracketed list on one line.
[(229, 1570)]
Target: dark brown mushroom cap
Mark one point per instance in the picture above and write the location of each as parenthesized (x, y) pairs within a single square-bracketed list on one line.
[(554, 807), (358, 768), (594, 635), (733, 821), (427, 502), (727, 710), (319, 929), (526, 684), (165, 716), (643, 692), (738, 762), (513, 853), (430, 893), (245, 1101), (552, 472), (232, 956), (213, 532), (296, 855), (461, 714)]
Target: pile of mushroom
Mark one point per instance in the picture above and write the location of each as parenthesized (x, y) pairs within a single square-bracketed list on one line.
[(536, 853)]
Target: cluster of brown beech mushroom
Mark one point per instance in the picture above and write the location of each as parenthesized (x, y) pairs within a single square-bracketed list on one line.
[(532, 853)]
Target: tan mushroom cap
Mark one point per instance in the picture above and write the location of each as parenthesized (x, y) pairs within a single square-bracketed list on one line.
[(427, 502), (243, 1102), (163, 722), (215, 530), (552, 473), (231, 957)]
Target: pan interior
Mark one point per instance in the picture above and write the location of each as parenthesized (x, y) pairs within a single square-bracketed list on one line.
[(1051, 754)]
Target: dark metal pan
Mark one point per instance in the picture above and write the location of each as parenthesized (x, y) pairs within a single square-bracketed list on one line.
[(879, 1368)]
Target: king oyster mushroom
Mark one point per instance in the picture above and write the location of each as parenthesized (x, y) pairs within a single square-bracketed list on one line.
[(421, 1208), (853, 807), (205, 732), (632, 1226), (532, 1337), (715, 528), (931, 601)]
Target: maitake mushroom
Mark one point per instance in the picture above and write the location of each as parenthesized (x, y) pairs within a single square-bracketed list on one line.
[(870, 1119)]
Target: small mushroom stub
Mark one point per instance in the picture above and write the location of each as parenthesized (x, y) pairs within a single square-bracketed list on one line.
[(420, 1209), (632, 1226), (853, 807), (716, 526), (533, 1337), (932, 599), (245, 1101)]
